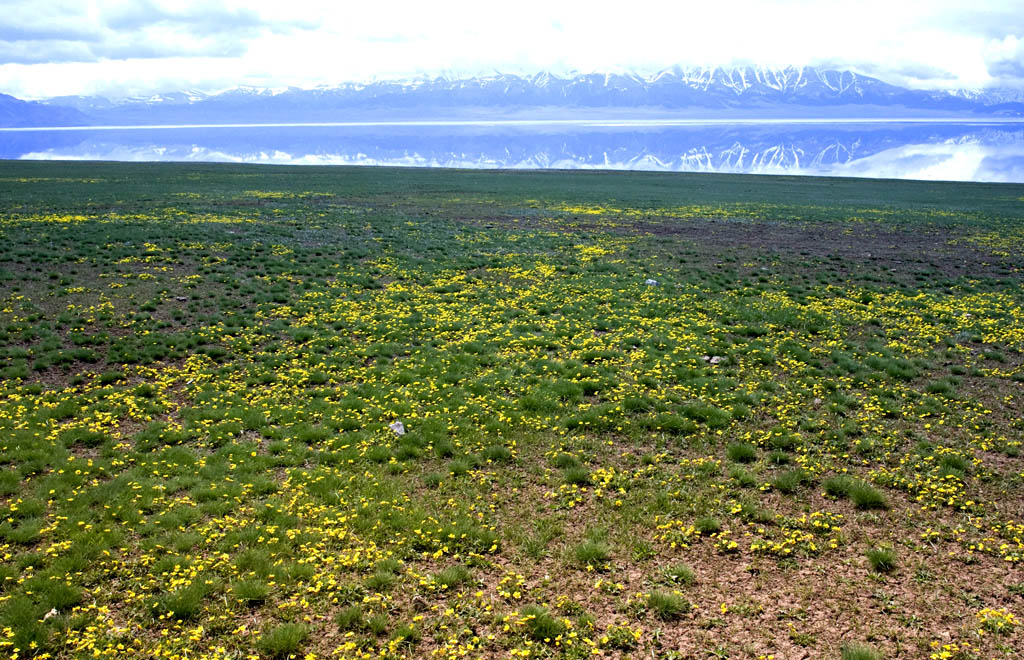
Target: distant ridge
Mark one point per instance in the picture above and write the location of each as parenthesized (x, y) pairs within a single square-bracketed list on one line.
[(677, 92), (15, 112)]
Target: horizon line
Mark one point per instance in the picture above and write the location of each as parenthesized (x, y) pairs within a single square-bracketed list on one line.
[(608, 123)]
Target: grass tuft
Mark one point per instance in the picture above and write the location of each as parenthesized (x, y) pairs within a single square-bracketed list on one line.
[(667, 606), (591, 554), (866, 496), (790, 481), (679, 574), (540, 625), (578, 476), (350, 618), (708, 525), (882, 560), (251, 592), (838, 485), (453, 576), (184, 604), (741, 452), (858, 651), (283, 640)]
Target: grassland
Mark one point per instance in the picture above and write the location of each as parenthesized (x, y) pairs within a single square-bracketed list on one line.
[(803, 441)]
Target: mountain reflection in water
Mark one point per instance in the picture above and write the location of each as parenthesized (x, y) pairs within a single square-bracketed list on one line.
[(947, 151)]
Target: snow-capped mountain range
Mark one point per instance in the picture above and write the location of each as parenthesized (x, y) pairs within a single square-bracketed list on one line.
[(751, 92)]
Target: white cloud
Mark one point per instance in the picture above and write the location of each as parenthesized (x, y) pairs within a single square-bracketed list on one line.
[(1005, 58), (142, 47)]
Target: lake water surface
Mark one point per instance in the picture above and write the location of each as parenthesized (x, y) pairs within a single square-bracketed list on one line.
[(937, 150)]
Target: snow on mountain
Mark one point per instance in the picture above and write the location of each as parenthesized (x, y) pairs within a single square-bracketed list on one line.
[(671, 88), (171, 98), (990, 95)]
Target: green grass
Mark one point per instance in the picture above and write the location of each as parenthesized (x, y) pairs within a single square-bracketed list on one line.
[(184, 604), (497, 454), (452, 577), (865, 496), (708, 525), (679, 574), (666, 605), (591, 553), (839, 485), (282, 640), (381, 581), (199, 365), (621, 638), (60, 595), (577, 476), (350, 618), (881, 560), (377, 624), (741, 452), (251, 592), (857, 651), (25, 619), (407, 634), (567, 461), (861, 493), (790, 481), (743, 478), (540, 624)]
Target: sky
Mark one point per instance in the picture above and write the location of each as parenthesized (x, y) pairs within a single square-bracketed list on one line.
[(119, 48)]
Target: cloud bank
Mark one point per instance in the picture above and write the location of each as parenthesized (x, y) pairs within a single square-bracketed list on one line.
[(117, 47)]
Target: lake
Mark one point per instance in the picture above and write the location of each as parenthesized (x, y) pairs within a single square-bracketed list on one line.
[(904, 149)]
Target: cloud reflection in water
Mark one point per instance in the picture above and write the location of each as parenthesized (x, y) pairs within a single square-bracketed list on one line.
[(962, 152)]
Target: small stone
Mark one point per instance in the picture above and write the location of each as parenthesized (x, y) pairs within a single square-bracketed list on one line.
[(397, 427)]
